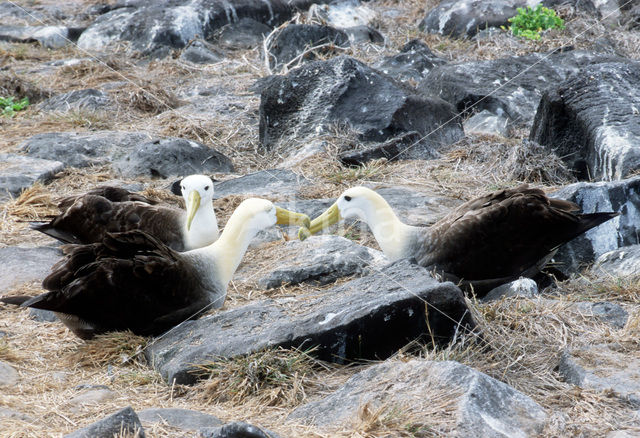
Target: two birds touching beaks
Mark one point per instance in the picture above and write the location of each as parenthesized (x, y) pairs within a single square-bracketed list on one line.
[(133, 275)]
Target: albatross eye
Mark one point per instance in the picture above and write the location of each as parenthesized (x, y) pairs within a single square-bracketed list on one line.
[(182, 187), (347, 198), (206, 188)]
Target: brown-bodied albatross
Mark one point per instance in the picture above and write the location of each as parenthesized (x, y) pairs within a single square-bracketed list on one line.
[(483, 243), (133, 281), (87, 218)]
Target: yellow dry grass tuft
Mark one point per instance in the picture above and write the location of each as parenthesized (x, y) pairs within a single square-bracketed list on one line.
[(114, 348), (34, 203)]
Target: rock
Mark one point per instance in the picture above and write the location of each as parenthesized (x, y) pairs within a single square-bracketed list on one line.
[(281, 183), (366, 318), (237, 429), (287, 46), (603, 367), (170, 157), (621, 196), (42, 315), (522, 287), (509, 87), (486, 122), (363, 34), (87, 99), (623, 262), (245, 33), (319, 260), (83, 149), (185, 419), (481, 406), (8, 375), (414, 62), (631, 18), (155, 28), (20, 265), (51, 37), (199, 52), (92, 396), (393, 149), (592, 120), (609, 313), (342, 90), (124, 422), (15, 415), (18, 173)]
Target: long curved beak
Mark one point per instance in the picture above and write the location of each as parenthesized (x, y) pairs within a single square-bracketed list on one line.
[(286, 217), (192, 206), (330, 216)]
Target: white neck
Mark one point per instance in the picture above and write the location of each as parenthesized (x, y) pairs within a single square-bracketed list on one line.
[(204, 227), (393, 236)]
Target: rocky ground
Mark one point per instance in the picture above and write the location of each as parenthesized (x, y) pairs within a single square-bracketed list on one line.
[(324, 338)]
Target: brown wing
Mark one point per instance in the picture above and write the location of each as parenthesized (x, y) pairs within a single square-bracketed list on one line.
[(113, 194), (128, 281), (90, 217), (503, 234)]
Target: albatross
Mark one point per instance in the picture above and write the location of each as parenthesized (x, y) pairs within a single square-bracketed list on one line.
[(131, 280), (87, 218), (481, 244)]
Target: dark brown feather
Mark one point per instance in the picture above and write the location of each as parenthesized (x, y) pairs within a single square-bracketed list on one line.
[(113, 194), (498, 237), (128, 281), (90, 217)]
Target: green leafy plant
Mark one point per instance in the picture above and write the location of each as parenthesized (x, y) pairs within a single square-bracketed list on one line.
[(530, 22), (9, 107)]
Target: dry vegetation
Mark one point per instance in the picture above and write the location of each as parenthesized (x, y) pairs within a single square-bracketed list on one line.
[(522, 339)]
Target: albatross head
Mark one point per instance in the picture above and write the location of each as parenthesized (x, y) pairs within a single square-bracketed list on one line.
[(258, 214), (197, 191)]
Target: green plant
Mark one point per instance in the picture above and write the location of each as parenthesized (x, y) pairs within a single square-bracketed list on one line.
[(530, 22), (9, 106)]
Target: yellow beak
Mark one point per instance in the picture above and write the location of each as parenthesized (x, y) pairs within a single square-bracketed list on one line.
[(326, 219), (286, 217), (192, 207)]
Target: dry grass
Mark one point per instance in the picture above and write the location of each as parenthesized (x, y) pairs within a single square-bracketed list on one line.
[(115, 348)]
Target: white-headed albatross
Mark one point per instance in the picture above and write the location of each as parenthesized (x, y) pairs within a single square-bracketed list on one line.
[(483, 243), (87, 218), (133, 281)]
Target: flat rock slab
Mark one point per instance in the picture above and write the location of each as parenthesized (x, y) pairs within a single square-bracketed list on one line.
[(87, 99), (604, 367), (123, 423), (366, 318), (620, 196), (623, 262), (592, 121), (8, 375), (607, 312), (18, 173), (186, 419), (507, 86), (280, 183), (320, 94), (20, 264), (478, 405)]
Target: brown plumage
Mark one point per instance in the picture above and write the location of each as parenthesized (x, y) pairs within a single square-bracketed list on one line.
[(483, 243)]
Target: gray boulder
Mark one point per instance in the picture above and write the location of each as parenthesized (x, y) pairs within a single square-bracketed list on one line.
[(522, 287), (245, 33), (603, 367), (124, 421), (366, 318), (604, 311), (279, 183), (18, 173), (481, 406), (623, 262), (20, 264), (87, 99), (51, 37), (414, 62), (185, 419), (82, 149), (592, 121), (342, 90), (170, 157), (362, 34), (155, 28), (485, 122), (237, 429), (620, 196), (509, 87), (200, 52), (294, 40)]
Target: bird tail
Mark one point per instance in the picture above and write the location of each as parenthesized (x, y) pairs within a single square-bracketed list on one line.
[(50, 230), (592, 220), (16, 300)]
